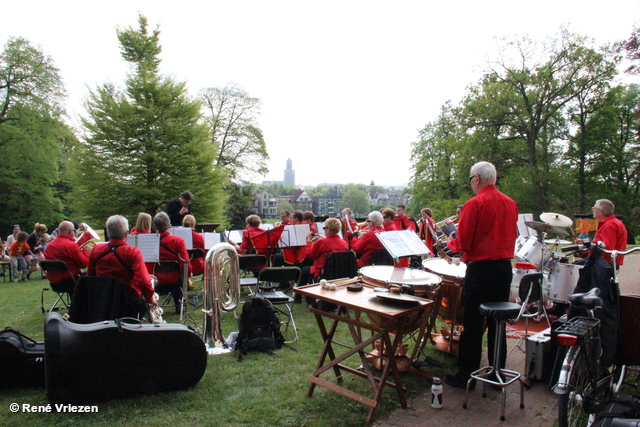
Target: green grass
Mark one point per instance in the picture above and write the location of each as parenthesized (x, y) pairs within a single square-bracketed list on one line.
[(259, 390)]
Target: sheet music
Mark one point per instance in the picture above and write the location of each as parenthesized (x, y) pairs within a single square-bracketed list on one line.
[(321, 232), (401, 243), (210, 239), (149, 245), (294, 235), (185, 233), (235, 236)]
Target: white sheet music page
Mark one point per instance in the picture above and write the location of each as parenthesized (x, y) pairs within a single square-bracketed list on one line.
[(210, 239), (185, 233), (149, 245), (235, 236), (294, 235), (401, 243)]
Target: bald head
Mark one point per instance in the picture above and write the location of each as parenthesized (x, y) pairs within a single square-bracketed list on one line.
[(66, 226)]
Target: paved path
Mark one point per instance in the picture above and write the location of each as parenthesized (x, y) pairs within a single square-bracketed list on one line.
[(540, 402)]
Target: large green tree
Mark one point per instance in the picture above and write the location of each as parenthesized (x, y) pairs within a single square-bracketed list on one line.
[(232, 116), (146, 143), (28, 77)]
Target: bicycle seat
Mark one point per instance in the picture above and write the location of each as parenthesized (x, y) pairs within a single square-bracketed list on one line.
[(588, 299)]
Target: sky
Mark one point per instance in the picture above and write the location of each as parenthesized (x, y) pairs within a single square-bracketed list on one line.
[(345, 85)]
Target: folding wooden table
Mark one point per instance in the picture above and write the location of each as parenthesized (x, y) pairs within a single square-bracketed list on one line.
[(388, 319)]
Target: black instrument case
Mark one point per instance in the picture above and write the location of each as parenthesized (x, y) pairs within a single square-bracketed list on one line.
[(113, 359)]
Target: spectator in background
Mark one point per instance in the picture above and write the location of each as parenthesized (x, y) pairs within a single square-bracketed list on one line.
[(35, 247), (12, 237), (17, 252)]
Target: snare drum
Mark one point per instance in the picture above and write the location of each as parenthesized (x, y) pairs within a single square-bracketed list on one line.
[(533, 251), (562, 282), (420, 281)]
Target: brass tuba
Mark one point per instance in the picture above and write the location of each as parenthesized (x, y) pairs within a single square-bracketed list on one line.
[(221, 292)]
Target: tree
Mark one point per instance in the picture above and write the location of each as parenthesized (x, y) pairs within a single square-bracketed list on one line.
[(28, 77), (357, 199), (232, 116), (31, 148), (240, 205), (145, 144)]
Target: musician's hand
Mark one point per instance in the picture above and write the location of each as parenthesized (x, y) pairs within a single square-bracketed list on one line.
[(184, 211), (309, 237)]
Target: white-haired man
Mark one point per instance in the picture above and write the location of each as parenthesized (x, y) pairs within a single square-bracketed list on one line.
[(367, 245), (485, 236)]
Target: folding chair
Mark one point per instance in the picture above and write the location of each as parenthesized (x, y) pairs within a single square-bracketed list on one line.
[(250, 265), (64, 289), (530, 293), (382, 257), (97, 299), (270, 279), (175, 289)]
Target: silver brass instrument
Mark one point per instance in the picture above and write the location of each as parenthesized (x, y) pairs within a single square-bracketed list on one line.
[(221, 292)]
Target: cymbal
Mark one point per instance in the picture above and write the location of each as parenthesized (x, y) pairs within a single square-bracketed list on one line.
[(556, 219), (557, 241), (546, 228)]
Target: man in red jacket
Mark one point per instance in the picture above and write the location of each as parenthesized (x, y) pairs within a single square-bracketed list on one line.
[(123, 262), (64, 248), (367, 245), (171, 248), (485, 236)]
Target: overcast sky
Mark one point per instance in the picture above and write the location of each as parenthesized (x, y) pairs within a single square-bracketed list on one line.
[(345, 84)]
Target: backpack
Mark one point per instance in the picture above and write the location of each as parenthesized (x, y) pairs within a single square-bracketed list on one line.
[(259, 327), (21, 360)]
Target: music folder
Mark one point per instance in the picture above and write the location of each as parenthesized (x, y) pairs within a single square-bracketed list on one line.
[(185, 233), (294, 235), (149, 245), (403, 243)]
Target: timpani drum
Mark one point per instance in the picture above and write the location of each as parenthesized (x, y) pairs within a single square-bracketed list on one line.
[(452, 282), (422, 282)]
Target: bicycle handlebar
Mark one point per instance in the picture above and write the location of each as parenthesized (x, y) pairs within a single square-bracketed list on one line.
[(600, 246)]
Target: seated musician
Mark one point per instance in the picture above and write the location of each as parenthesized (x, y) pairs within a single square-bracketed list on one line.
[(251, 240), (428, 229), (349, 226), (64, 248), (368, 244), (387, 219), (123, 262), (403, 221), (171, 248), (197, 264), (319, 250), (143, 224)]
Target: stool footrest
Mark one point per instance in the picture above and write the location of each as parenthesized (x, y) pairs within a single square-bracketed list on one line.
[(488, 375)]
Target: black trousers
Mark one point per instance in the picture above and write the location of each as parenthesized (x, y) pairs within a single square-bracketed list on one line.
[(485, 281)]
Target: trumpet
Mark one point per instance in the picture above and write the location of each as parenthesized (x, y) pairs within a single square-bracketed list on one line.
[(446, 221)]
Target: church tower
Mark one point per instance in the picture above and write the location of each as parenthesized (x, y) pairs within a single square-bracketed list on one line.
[(289, 174)]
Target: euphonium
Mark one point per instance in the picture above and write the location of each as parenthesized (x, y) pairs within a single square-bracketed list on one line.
[(221, 292)]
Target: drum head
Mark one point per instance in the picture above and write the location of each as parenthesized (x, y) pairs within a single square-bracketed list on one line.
[(440, 266), (385, 274)]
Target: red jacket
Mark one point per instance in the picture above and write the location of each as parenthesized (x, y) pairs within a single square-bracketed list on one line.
[(197, 265), (487, 227), (320, 250), (613, 233), (131, 272), (172, 248), (367, 245), (64, 248)]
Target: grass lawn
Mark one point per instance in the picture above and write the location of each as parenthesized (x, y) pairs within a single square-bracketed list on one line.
[(259, 390)]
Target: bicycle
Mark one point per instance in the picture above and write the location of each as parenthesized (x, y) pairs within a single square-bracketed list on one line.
[(584, 385)]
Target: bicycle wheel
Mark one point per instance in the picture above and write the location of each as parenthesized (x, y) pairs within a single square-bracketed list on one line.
[(570, 409)]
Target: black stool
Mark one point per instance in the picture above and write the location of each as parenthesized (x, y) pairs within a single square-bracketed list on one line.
[(500, 312)]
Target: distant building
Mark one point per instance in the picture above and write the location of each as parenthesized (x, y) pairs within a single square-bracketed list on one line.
[(289, 174), (265, 204)]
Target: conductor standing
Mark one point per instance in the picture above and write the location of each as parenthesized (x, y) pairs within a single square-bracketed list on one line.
[(178, 208), (485, 236)]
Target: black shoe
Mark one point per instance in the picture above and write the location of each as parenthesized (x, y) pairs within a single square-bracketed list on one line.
[(458, 380)]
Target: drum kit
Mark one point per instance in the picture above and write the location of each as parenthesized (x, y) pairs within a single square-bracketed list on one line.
[(534, 255), (443, 278)]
